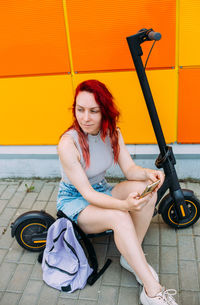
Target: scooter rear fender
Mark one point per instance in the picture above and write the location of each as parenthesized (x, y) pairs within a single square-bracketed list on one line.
[(31, 215)]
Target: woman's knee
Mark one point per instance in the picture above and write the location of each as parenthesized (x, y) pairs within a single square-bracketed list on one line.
[(123, 189), (120, 218)]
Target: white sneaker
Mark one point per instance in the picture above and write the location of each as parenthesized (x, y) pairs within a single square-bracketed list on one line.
[(165, 297), (125, 265)]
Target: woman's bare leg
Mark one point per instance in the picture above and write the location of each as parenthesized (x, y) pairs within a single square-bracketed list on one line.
[(141, 219), (94, 220)]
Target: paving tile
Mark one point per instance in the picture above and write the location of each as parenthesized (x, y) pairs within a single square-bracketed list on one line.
[(91, 292), (48, 296), (14, 253), (72, 296), (168, 260), (16, 200), (3, 204), (101, 239), (7, 269), (29, 200), (45, 192), (36, 272), (128, 279), (197, 244), (186, 247), (19, 280), (28, 258), (101, 250), (112, 250), (189, 297), (85, 302), (108, 295), (2, 188), (188, 275), (52, 182), (39, 205), (170, 281), (156, 219), (112, 275), (51, 208), (168, 236), (62, 301), (23, 187), (183, 185), (5, 238), (152, 236), (3, 253), (194, 187), (10, 298), (31, 293), (128, 296), (14, 181), (19, 212), (9, 192), (54, 194), (196, 228), (186, 231), (6, 216), (152, 256), (38, 184)]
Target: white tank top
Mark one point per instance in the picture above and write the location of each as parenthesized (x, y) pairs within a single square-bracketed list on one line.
[(101, 157)]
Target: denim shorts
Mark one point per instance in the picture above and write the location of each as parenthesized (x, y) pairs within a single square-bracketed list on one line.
[(71, 202)]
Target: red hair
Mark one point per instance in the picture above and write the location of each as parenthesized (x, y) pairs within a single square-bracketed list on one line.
[(110, 116)]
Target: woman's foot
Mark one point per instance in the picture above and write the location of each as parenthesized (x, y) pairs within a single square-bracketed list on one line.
[(125, 265), (165, 297)]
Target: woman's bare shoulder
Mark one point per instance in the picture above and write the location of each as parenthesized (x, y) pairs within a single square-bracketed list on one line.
[(65, 140), (121, 140), (67, 145)]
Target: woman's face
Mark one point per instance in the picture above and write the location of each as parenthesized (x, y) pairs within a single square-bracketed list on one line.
[(88, 112)]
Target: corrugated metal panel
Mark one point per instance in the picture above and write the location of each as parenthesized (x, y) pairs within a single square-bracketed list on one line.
[(98, 31), (33, 38)]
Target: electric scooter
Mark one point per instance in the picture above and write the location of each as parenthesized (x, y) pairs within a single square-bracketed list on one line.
[(179, 209)]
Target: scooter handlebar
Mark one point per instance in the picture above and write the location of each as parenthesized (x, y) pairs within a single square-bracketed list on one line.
[(154, 35)]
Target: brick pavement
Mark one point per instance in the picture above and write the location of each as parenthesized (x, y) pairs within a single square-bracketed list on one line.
[(174, 254)]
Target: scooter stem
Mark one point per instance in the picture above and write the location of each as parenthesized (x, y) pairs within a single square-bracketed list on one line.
[(134, 42), (166, 158)]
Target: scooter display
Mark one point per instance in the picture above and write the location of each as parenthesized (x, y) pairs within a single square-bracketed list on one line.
[(179, 208)]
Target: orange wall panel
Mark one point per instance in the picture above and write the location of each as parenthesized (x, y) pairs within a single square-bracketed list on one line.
[(33, 38), (189, 25), (189, 106), (98, 31), (36, 110)]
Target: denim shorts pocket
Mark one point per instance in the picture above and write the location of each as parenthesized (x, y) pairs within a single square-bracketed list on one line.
[(67, 190)]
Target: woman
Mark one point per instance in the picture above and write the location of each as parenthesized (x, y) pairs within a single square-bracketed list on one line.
[(86, 151)]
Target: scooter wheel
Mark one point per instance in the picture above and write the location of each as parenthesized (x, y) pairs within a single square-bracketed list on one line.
[(170, 217), (25, 231)]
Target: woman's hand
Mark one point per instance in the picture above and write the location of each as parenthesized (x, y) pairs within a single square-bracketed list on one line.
[(134, 203), (155, 175)]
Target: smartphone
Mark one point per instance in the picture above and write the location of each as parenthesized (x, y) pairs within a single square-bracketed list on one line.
[(149, 188)]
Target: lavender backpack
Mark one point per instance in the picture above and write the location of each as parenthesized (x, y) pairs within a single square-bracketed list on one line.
[(64, 263)]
